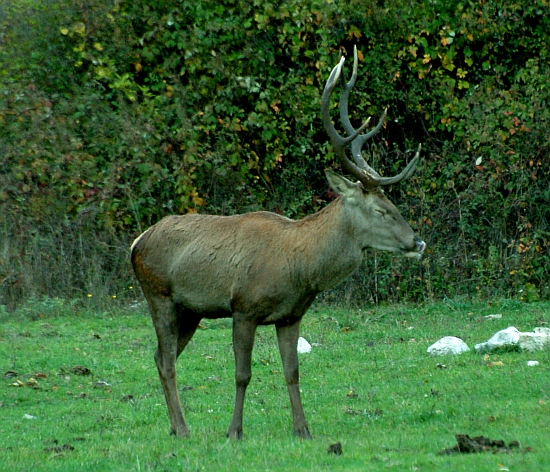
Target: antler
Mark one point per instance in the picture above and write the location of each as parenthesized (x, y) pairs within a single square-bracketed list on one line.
[(360, 169)]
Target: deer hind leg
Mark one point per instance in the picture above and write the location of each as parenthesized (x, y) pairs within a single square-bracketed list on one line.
[(243, 342), (287, 337), (172, 337)]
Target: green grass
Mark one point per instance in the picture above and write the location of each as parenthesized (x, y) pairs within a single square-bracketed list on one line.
[(368, 383)]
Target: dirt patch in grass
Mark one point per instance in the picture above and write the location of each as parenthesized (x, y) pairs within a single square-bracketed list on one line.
[(467, 445)]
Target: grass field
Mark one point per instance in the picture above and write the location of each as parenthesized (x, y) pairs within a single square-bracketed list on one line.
[(79, 391)]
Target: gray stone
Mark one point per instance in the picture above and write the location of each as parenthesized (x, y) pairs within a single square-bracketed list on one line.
[(505, 339), (537, 341), (448, 345)]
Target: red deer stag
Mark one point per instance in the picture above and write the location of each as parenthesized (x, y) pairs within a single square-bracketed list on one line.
[(261, 268)]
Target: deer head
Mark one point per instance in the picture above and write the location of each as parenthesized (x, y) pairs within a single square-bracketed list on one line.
[(379, 221)]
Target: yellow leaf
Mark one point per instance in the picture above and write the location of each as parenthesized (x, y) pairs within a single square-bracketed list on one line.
[(423, 72), (79, 28), (98, 46), (32, 383), (64, 31), (447, 63)]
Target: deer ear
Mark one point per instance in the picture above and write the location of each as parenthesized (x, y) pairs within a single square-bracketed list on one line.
[(341, 185)]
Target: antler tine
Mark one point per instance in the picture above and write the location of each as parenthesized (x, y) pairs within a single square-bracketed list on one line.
[(357, 145), (325, 101), (344, 95), (338, 142), (404, 174), (344, 114), (361, 139)]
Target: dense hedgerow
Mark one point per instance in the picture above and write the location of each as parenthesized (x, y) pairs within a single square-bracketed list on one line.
[(116, 113)]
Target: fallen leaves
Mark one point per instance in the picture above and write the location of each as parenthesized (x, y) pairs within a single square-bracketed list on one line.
[(78, 370), (32, 383), (490, 363)]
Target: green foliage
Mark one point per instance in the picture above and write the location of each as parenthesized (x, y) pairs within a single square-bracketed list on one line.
[(114, 114)]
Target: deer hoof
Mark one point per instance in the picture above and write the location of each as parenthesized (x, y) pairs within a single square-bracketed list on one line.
[(303, 433), (235, 435), (180, 433)]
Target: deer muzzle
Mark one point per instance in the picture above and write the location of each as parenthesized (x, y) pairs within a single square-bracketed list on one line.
[(417, 250)]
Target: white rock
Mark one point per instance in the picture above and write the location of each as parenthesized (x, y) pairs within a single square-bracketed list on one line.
[(102, 384), (303, 346), (532, 363), (504, 339), (448, 345), (542, 331), (533, 341), (29, 417)]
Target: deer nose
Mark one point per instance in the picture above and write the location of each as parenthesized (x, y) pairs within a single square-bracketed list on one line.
[(420, 245)]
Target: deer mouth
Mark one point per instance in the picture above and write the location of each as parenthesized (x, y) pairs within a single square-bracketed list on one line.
[(417, 251)]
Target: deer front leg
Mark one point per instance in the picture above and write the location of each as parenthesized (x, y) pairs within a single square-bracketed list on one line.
[(243, 342), (287, 337)]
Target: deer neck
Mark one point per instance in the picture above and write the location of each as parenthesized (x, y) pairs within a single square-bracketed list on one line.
[(332, 250)]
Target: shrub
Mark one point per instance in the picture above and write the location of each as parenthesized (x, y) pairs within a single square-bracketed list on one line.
[(115, 114)]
